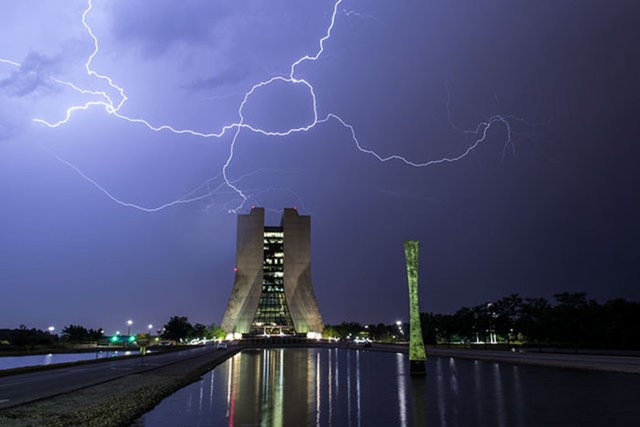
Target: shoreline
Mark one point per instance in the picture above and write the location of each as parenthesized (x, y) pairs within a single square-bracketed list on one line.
[(115, 402), (38, 368), (584, 362)]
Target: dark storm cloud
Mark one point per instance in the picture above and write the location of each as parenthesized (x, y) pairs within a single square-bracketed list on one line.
[(157, 27), (33, 76), (228, 77), (560, 215)]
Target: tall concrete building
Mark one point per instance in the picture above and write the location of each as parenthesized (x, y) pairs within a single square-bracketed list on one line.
[(272, 292)]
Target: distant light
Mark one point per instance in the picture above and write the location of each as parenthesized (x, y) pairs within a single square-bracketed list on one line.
[(51, 329), (398, 322), (235, 269), (129, 322), (117, 332), (150, 326)]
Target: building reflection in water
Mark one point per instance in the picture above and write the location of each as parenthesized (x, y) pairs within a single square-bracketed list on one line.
[(359, 388), (287, 387)]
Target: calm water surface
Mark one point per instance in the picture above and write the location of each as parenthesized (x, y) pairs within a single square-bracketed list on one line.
[(10, 362), (299, 387)]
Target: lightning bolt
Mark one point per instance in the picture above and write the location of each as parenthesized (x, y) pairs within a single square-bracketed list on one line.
[(10, 62), (113, 107)]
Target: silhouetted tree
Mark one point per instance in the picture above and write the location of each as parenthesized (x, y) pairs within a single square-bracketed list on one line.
[(79, 334), (177, 328), (534, 320), (507, 313), (199, 331), (25, 337)]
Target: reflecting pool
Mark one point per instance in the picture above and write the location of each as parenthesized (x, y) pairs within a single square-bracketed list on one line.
[(295, 387)]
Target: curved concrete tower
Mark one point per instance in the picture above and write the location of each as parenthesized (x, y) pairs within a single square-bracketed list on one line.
[(272, 292)]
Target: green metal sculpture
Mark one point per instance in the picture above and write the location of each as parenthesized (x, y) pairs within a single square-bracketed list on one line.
[(417, 355)]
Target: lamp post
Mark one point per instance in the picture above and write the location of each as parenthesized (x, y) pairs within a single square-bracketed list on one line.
[(399, 325), (129, 323)]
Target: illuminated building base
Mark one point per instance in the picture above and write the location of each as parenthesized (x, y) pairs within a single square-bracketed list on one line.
[(417, 355)]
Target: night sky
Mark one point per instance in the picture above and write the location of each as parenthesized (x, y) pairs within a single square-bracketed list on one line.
[(554, 209)]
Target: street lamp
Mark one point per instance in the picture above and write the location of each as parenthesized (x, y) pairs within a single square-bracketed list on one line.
[(399, 324), (51, 329), (150, 327), (129, 323)]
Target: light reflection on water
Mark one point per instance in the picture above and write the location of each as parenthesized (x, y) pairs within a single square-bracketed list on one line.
[(321, 387)]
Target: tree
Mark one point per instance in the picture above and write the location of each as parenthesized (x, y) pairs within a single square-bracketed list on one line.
[(177, 328), (330, 332), (570, 317), (462, 324), (534, 320), (215, 332), (75, 334), (507, 312), (199, 331), (25, 337), (382, 332)]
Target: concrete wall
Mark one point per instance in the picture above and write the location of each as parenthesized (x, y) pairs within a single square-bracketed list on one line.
[(248, 280), (297, 272)]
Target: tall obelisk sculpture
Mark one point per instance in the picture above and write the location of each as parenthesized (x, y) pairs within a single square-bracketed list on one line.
[(417, 354)]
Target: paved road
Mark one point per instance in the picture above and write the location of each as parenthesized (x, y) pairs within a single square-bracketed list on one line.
[(22, 388)]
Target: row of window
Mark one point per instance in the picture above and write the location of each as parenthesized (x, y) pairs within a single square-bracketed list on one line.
[(274, 234)]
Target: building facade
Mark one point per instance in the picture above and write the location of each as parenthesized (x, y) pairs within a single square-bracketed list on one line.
[(272, 292)]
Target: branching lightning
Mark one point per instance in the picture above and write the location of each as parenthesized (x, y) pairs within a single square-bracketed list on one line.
[(113, 107), (10, 62)]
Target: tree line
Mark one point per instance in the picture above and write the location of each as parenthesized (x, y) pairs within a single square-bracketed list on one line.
[(571, 320), (178, 329), (29, 337), (375, 332)]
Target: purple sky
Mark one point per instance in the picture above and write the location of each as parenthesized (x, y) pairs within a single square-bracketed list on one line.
[(90, 231)]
